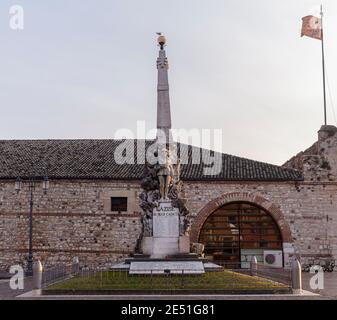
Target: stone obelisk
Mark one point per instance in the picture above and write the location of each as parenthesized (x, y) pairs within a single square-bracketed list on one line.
[(165, 222), (163, 95)]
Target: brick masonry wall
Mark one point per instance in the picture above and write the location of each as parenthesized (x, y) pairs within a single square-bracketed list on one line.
[(309, 209), (73, 219)]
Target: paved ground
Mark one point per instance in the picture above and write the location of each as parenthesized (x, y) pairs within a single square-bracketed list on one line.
[(7, 293), (177, 298), (330, 284)]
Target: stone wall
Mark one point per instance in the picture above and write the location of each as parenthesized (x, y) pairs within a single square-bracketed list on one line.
[(319, 162), (72, 219), (309, 209)]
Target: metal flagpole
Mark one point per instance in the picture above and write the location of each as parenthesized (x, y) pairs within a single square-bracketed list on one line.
[(323, 65)]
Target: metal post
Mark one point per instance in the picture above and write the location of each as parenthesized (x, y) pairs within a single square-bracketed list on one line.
[(30, 248), (296, 276), (151, 280), (323, 65), (182, 278), (253, 266), (37, 275), (29, 271), (239, 237)]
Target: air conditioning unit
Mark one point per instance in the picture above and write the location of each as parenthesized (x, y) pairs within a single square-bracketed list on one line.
[(273, 258)]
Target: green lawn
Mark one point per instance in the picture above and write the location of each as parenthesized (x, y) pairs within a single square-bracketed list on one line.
[(121, 280)]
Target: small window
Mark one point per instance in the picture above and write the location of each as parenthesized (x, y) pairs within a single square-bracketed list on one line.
[(119, 204)]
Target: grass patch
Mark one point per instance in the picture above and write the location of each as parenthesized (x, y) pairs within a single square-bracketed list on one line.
[(121, 280)]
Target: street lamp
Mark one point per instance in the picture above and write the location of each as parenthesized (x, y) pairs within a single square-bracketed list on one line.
[(45, 185), (31, 187), (18, 185)]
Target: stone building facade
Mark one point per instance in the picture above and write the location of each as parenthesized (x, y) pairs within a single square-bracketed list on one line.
[(75, 219)]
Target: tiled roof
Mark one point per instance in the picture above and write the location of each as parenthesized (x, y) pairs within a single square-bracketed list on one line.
[(94, 159)]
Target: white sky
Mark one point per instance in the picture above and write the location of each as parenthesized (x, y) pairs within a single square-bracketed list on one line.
[(81, 69)]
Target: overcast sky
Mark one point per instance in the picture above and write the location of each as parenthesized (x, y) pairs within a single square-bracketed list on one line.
[(85, 68)]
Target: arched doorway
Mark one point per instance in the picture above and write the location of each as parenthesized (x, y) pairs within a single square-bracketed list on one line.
[(236, 231)]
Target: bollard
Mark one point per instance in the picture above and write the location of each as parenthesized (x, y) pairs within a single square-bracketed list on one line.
[(253, 266), (75, 265), (296, 276), (37, 275)]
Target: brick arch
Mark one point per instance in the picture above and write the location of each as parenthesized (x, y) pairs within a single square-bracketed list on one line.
[(228, 198)]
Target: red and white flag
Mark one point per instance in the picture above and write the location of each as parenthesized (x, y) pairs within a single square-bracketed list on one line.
[(312, 27)]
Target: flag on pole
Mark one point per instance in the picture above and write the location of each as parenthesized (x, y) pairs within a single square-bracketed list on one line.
[(312, 27)]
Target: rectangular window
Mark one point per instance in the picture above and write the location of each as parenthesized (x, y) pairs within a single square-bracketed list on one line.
[(119, 204)]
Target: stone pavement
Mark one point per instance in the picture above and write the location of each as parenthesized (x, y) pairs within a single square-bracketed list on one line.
[(7, 293), (307, 296), (330, 284)]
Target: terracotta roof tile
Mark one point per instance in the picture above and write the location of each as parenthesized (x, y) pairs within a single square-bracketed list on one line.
[(94, 159)]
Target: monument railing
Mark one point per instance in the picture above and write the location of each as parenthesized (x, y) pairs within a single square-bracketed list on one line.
[(94, 278), (280, 275), (102, 278), (58, 273), (54, 274)]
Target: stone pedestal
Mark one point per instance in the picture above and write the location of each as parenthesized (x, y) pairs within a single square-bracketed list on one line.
[(162, 267), (165, 220), (161, 247), (166, 239), (166, 252), (184, 244)]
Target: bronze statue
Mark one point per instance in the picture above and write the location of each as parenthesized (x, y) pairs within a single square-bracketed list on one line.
[(165, 173)]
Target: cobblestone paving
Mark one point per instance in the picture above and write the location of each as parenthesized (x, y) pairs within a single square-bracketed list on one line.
[(7, 293), (330, 284)]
